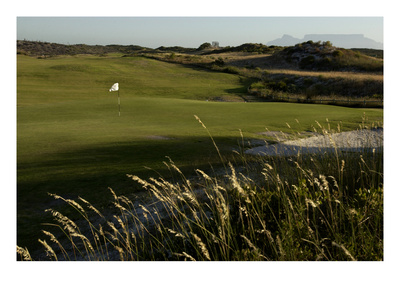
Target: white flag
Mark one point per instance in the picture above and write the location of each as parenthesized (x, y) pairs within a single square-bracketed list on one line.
[(115, 87)]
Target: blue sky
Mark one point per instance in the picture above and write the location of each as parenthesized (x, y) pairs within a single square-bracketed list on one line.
[(188, 31)]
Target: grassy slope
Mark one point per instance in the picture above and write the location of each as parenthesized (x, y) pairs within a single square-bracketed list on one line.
[(72, 142)]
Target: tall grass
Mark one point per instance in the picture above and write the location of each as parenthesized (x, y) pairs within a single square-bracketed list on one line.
[(304, 207)]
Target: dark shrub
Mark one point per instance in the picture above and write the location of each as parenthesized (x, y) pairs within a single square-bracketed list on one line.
[(307, 62), (325, 63), (281, 85), (337, 53), (219, 62), (308, 81), (204, 46), (231, 70)]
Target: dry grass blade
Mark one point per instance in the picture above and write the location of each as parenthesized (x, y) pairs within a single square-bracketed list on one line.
[(280, 247), (188, 256), (212, 139), (84, 239), (255, 249), (202, 124), (49, 251), (67, 223), (345, 251), (202, 246), (55, 240), (24, 253), (177, 234), (91, 207)]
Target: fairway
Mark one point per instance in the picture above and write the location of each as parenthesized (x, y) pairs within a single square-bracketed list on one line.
[(70, 140)]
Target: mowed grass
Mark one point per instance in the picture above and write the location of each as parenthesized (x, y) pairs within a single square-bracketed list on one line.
[(70, 140)]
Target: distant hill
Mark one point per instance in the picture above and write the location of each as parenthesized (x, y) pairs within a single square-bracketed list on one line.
[(50, 49), (35, 48), (325, 57), (338, 40)]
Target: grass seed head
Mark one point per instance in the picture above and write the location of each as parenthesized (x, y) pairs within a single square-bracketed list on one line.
[(202, 246), (24, 253), (202, 124), (49, 251), (188, 256), (67, 223)]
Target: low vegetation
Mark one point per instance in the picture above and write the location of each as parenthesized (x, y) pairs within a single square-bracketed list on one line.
[(315, 86), (247, 48), (316, 56)]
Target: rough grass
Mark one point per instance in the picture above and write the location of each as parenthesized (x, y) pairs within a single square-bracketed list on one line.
[(334, 74)]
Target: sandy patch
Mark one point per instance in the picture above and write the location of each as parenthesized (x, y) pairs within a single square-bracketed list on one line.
[(351, 141)]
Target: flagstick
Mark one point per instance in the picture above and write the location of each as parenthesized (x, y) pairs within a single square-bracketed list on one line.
[(119, 105)]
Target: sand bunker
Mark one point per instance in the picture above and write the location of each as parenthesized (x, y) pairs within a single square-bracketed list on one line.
[(351, 141)]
